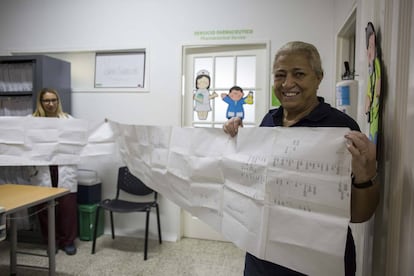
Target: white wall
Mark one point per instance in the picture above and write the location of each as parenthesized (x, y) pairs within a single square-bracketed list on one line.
[(162, 27)]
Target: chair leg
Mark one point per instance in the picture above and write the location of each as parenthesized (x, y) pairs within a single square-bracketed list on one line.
[(146, 235), (112, 225), (95, 229), (159, 224)]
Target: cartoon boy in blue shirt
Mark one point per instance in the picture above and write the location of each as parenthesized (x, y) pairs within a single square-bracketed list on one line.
[(236, 101)]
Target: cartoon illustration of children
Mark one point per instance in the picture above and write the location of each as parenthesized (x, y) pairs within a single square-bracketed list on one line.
[(235, 102), (202, 95), (372, 102)]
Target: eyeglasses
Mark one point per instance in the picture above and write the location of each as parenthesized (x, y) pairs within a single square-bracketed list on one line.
[(49, 101)]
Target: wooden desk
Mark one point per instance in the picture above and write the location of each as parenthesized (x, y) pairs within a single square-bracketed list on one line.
[(16, 197)]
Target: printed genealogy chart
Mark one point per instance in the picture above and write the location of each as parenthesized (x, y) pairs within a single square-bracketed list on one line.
[(282, 194)]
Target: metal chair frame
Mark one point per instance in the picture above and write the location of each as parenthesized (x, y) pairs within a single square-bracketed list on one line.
[(130, 184)]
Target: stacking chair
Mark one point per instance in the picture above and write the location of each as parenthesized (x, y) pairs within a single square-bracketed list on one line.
[(128, 183)]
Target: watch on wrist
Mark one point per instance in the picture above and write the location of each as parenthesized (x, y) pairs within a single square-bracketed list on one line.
[(365, 184)]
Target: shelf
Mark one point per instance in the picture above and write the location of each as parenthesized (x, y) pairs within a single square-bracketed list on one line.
[(17, 93), (32, 73)]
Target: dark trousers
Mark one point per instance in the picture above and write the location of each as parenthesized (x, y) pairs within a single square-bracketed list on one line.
[(66, 218), (257, 267), (66, 215), (254, 266)]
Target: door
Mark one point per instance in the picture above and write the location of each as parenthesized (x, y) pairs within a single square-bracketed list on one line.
[(244, 65)]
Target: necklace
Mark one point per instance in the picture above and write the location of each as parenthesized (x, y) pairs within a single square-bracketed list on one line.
[(287, 122), (299, 116)]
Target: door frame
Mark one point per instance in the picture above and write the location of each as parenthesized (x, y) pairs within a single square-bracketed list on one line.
[(198, 229)]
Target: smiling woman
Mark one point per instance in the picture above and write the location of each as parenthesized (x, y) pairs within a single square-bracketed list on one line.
[(48, 104), (297, 74)]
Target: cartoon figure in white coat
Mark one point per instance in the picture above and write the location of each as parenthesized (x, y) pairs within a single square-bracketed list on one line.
[(202, 94)]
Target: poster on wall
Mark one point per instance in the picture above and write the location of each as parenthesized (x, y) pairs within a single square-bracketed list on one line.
[(122, 70), (373, 93)]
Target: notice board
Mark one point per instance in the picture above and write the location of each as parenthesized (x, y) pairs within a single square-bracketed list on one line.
[(114, 69)]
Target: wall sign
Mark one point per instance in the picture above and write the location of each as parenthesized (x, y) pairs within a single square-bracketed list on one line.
[(120, 69), (237, 34)]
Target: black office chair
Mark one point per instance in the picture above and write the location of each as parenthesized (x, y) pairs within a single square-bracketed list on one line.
[(130, 184)]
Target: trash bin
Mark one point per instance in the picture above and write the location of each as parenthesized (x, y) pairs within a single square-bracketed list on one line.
[(86, 216), (89, 187)]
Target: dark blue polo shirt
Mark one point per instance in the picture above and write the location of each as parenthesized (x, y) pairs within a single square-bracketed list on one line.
[(322, 116)]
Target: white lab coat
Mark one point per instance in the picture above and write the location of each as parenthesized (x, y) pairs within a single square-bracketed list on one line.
[(40, 175)]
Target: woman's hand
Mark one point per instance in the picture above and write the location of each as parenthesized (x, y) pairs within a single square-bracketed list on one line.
[(364, 162), (364, 201), (231, 127)]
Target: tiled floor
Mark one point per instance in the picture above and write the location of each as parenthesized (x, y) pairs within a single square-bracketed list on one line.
[(124, 256)]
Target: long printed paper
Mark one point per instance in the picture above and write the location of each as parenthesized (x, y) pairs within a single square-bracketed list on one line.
[(283, 194)]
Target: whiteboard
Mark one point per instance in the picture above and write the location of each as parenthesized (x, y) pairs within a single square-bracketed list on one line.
[(125, 69)]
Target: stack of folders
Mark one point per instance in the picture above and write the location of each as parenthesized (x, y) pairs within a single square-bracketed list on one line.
[(16, 77)]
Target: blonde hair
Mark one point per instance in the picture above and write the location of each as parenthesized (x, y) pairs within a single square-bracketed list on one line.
[(308, 49), (40, 112)]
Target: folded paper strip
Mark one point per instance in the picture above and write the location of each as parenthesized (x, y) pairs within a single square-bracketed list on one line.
[(283, 194)]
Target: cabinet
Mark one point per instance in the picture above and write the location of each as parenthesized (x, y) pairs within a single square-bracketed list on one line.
[(22, 77)]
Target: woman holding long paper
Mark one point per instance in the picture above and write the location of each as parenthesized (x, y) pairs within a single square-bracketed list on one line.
[(297, 72)]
